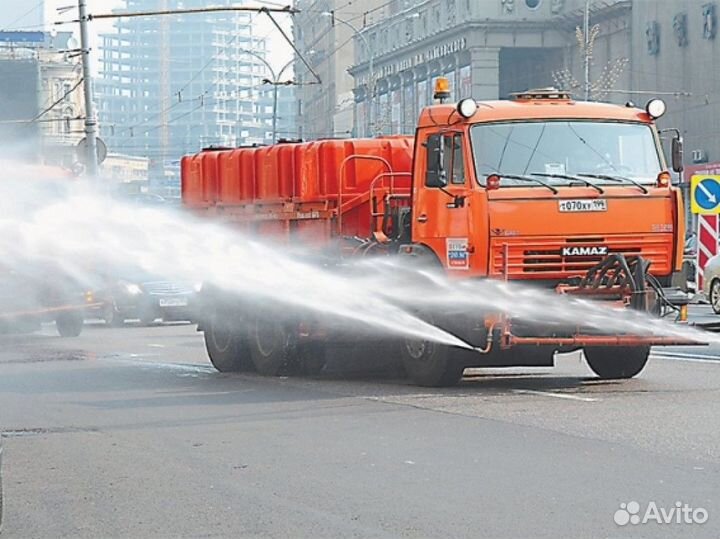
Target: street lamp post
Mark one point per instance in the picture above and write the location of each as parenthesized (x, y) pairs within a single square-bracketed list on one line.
[(371, 70), (275, 83), (587, 56)]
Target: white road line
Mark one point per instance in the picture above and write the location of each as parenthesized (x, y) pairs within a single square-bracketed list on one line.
[(555, 395), (156, 345), (691, 358)]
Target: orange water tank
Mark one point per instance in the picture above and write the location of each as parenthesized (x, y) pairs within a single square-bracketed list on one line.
[(246, 171), (314, 171), (192, 184), (210, 166), (229, 178)]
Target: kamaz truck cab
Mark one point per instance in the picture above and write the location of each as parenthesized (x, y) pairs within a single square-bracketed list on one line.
[(573, 196)]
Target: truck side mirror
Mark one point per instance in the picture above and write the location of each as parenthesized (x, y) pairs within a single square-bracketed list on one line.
[(677, 154), (435, 175)]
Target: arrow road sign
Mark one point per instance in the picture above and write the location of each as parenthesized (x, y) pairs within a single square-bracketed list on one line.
[(705, 194)]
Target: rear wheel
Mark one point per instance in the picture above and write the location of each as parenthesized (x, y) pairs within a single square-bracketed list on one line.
[(270, 347), (617, 362), (70, 324), (226, 347), (312, 358), (715, 295)]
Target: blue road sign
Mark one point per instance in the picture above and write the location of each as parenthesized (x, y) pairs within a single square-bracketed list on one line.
[(707, 194)]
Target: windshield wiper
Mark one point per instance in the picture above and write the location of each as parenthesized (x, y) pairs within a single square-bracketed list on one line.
[(525, 179), (572, 179), (619, 179)]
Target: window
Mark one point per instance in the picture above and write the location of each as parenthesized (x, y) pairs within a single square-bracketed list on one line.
[(458, 162), (557, 149), (445, 161)]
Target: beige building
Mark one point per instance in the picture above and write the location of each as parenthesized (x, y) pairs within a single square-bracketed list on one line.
[(62, 126), (327, 109), (125, 168), (41, 99)]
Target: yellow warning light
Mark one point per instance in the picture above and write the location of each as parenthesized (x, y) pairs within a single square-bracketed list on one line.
[(683, 313), (442, 89)]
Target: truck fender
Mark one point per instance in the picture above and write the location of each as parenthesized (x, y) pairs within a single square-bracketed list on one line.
[(419, 255)]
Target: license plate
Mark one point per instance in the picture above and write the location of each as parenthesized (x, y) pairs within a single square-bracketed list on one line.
[(173, 302), (580, 205)]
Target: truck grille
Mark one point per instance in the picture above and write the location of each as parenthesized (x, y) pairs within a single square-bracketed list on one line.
[(543, 257)]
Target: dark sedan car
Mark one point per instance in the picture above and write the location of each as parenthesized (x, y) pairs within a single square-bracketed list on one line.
[(147, 298)]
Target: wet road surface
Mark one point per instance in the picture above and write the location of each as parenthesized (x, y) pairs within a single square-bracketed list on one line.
[(130, 433)]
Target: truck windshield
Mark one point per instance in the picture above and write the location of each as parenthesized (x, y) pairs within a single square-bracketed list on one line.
[(607, 152)]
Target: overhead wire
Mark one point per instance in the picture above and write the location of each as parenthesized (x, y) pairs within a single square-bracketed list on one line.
[(30, 11)]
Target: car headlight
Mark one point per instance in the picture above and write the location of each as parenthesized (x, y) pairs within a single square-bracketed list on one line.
[(133, 289)]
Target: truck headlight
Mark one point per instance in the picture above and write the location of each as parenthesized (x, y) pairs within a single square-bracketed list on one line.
[(467, 108), (656, 108)]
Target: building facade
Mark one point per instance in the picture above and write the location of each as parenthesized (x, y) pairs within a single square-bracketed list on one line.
[(41, 100), (326, 109), (491, 48), (173, 85), (126, 169), (487, 48)]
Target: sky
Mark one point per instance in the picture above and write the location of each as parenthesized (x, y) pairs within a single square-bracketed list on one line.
[(280, 50)]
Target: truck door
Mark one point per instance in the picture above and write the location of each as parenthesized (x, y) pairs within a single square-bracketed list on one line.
[(440, 216)]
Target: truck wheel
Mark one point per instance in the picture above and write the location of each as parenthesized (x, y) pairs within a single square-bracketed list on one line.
[(311, 358), (430, 364), (226, 348), (70, 324), (269, 346), (617, 362)]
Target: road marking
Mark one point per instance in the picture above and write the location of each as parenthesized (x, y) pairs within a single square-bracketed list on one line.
[(690, 358), (156, 345), (555, 395)]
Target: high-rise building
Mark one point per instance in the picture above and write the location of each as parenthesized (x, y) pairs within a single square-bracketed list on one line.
[(170, 85)]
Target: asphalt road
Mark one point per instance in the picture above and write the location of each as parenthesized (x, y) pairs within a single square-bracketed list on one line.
[(130, 433)]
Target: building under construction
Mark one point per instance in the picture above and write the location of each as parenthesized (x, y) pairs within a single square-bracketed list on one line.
[(172, 84)]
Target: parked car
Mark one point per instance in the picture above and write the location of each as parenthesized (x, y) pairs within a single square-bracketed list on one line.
[(41, 293), (138, 295), (711, 283)]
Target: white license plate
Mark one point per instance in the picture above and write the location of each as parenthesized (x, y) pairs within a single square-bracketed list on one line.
[(580, 205), (173, 302)]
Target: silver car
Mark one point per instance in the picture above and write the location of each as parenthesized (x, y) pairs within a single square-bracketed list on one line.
[(711, 283)]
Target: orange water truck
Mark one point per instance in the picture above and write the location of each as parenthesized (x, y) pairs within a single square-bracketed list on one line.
[(541, 189)]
